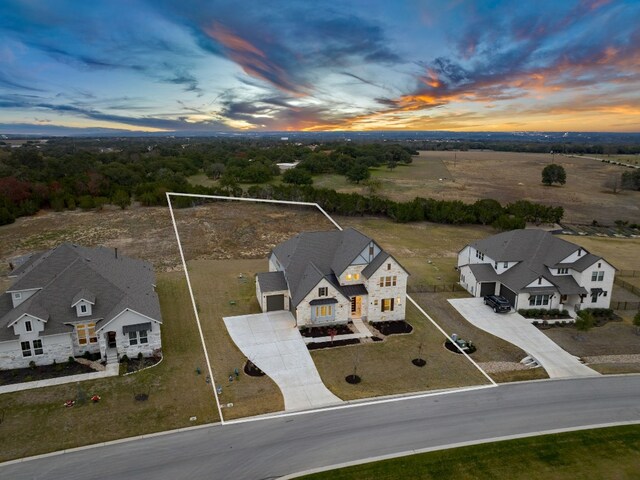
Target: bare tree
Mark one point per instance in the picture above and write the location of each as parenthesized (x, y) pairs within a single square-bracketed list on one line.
[(613, 183)]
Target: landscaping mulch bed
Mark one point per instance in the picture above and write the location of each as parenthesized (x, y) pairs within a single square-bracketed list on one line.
[(452, 348), (251, 369), (324, 331), (392, 327), (21, 375), (133, 365), (353, 379), (335, 343)]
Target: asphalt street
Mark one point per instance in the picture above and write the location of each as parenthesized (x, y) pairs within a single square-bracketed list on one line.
[(271, 448)]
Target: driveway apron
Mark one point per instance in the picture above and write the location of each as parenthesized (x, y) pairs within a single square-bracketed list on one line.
[(274, 344), (516, 329)]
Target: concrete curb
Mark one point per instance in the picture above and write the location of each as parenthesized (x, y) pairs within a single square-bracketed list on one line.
[(107, 443), (455, 445)]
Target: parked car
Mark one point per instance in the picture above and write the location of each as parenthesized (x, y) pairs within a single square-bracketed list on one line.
[(498, 303)]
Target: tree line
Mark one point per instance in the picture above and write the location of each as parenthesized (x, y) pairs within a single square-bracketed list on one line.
[(89, 173)]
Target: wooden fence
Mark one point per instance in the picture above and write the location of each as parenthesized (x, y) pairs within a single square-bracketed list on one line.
[(628, 273), (625, 305), (443, 287), (627, 286)]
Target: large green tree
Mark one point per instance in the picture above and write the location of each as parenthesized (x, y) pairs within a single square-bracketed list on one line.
[(358, 172), (554, 173)]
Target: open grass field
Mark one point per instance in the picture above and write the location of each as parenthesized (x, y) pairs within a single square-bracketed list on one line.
[(623, 253), (35, 421), (607, 453), (506, 177), (386, 368)]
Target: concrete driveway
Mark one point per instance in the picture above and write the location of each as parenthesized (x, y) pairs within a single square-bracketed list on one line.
[(516, 329), (274, 344)]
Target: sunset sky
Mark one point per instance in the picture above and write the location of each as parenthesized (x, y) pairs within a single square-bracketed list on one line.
[(264, 65)]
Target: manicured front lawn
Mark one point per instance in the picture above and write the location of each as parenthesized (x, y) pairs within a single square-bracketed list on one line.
[(386, 368), (35, 421), (589, 454)]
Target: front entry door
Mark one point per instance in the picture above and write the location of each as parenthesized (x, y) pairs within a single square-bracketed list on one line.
[(356, 307), (111, 339)]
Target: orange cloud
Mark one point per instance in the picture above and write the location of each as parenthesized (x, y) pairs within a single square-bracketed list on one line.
[(251, 59)]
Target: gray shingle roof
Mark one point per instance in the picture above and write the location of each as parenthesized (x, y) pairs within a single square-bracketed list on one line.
[(375, 264), (272, 282), (63, 273), (536, 251), (309, 257), (83, 294)]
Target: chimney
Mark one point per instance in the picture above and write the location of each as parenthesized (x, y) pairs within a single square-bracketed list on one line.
[(116, 251)]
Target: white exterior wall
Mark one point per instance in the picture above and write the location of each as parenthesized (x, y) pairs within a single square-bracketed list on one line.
[(523, 302), (543, 283), (376, 292), (501, 266), (19, 328), (342, 310), (577, 255), (606, 284), (56, 348), (469, 283), (22, 294), (129, 317)]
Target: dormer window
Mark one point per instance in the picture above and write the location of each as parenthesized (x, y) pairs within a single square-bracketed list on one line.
[(17, 295), (27, 326), (83, 309), (539, 280), (563, 271), (579, 252), (371, 250), (354, 276)]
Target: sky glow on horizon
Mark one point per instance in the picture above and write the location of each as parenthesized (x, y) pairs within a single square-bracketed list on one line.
[(211, 66)]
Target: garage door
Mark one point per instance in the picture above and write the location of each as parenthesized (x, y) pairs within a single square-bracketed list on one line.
[(487, 288), (508, 294), (275, 302)]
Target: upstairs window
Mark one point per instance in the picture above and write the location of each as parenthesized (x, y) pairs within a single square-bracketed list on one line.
[(17, 295), (597, 276), (563, 271), (388, 266), (505, 265), (323, 291), (27, 326), (371, 250), (83, 308), (353, 276)]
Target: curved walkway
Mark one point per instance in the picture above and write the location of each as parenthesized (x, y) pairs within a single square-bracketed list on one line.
[(516, 329), (274, 344)]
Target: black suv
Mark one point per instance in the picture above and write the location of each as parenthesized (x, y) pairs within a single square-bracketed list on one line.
[(499, 304)]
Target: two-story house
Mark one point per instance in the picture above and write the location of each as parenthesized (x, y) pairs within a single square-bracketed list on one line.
[(333, 277), (71, 300), (535, 269)]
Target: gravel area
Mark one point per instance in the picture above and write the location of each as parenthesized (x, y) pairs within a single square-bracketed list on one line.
[(492, 367), (613, 359)]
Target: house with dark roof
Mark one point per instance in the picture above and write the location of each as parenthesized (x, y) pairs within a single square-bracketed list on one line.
[(534, 269), (71, 300), (333, 277)]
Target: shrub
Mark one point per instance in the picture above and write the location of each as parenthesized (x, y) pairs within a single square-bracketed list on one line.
[(86, 355), (140, 356), (71, 360), (32, 365), (124, 358)]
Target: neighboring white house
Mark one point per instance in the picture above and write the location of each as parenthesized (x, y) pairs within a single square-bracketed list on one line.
[(534, 269), (333, 277), (71, 300)]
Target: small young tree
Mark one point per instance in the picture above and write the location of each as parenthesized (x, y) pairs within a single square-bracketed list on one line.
[(636, 322), (584, 322), (613, 183), (554, 173), (121, 198)]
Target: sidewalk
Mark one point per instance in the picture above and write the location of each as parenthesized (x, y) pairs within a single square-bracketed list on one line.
[(112, 370)]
